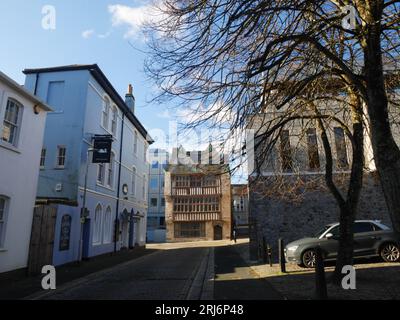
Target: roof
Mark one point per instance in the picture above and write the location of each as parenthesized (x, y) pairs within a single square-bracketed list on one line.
[(100, 77), (25, 93)]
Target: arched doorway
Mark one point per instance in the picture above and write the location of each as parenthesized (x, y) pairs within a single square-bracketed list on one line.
[(124, 229), (217, 232)]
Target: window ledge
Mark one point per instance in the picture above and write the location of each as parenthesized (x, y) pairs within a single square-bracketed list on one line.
[(10, 147), (104, 187), (3, 249)]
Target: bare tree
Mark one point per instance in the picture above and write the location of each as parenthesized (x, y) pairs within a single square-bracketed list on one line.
[(242, 56), (214, 50)]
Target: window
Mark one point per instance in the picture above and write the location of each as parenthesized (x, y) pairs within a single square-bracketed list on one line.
[(162, 202), (65, 234), (285, 151), (190, 230), (341, 151), (154, 165), (11, 122), (114, 121), (134, 181), (101, 173), (361, 227), (135, 143), (43, 158), (209, 204), (313, 155), (153, 202), (154, 183), (98, 215), (61, 155), (110, 172), (107, 228), (3, 213), (162, 221), (106, 112)]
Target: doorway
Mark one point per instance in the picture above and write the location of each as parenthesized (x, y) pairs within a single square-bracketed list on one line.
[(217, 232)]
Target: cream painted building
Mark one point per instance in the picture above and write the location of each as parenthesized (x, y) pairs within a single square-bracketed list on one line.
[(22, 122)]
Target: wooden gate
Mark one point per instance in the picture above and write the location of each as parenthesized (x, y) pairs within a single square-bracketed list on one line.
[(42, 238)]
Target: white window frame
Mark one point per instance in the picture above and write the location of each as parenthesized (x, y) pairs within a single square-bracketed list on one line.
[(59, 147), (134, 180), (111, 169), (18, 123), (135, 143), (105, 115), (144, 187), (114, 120), (97, 224), (107, 226), (101, 168), (3, 221)]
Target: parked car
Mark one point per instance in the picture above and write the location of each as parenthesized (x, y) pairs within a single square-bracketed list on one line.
[(371, 238)]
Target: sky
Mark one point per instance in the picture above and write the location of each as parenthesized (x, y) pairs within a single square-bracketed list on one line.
[(106, 32)]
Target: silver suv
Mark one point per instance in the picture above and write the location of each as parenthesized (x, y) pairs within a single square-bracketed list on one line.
[(371, 238)]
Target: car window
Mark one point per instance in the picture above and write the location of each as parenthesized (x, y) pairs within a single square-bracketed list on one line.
[(335, 231), (321, 232), (360, 227)]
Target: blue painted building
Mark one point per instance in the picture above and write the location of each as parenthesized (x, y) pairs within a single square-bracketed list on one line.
[(156, 231), (85, 104)]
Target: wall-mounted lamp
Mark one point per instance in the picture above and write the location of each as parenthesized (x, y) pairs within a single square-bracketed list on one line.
[(36, 109)]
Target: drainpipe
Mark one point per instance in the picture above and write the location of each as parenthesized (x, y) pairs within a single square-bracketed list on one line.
[(116, 233), (36, 84)]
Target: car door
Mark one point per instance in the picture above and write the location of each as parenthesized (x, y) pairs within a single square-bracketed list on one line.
[(330, 246), (364, 238)]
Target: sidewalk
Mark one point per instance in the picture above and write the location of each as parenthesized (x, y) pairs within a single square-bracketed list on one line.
[(16, 285), (375, 279), (235, 279)]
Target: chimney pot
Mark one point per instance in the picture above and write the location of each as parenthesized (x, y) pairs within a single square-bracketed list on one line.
[(130, 89)]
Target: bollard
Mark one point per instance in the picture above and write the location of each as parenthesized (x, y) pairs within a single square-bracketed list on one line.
[(320, 281), (264, 251), (269, 254), (282, 260)]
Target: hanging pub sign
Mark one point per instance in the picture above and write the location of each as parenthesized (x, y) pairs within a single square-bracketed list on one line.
[(102, 149)]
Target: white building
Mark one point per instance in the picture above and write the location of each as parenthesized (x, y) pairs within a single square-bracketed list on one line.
[(22, 121)]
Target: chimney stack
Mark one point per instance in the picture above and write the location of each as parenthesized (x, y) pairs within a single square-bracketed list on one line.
[(130, 99)]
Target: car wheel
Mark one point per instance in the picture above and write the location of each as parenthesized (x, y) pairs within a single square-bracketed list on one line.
[(390, 252), (308, 258)]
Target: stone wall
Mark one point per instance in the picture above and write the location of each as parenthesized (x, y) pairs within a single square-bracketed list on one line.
[(274, 218)]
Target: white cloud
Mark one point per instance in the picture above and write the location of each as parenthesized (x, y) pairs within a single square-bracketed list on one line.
[(104, 35), (165, 114), (133, 17), (88, 33)]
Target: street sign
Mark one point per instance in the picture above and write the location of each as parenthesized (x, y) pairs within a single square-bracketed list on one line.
[(102, 149)]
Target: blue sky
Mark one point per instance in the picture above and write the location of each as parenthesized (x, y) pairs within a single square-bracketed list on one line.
[(87, 32), (84, 34)]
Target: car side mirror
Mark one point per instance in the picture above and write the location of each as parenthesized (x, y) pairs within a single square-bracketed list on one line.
[(329, 236)]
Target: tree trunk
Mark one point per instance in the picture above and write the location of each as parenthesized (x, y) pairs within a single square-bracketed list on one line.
[(386, 152)]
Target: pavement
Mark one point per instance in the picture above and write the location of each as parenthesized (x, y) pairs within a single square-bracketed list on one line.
[(203, 270)]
